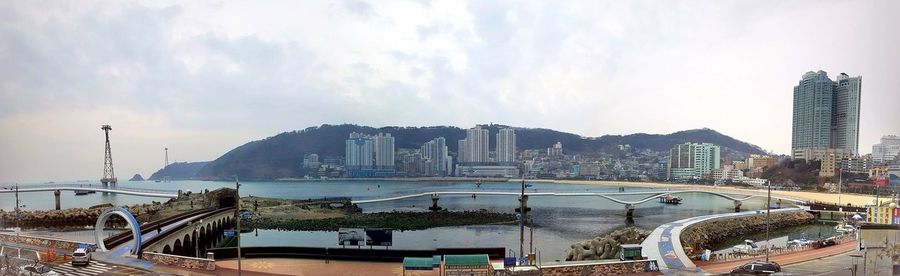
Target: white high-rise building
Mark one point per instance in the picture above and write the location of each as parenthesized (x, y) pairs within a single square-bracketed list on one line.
[(384, 151), (556, 150), (435, 157), (358, 152), (506, 146), (887, 150), (474, 149)]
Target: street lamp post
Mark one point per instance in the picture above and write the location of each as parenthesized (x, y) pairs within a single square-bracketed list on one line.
[(768, 207), (237, 188), (197, 237)]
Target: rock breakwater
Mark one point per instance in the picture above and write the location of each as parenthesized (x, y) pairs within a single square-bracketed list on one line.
[(605, 246), (708, 234)]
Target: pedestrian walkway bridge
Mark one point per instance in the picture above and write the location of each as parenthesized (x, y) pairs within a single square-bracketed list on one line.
[(89, 187), (611, 196)]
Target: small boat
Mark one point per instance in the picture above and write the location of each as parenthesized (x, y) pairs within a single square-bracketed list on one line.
[(669, 199), (81, 192), (748, 247)]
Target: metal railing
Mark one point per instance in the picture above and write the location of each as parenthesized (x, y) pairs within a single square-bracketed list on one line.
[(26, 188)]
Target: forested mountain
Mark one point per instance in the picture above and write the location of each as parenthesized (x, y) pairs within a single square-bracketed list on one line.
[(281, 155)]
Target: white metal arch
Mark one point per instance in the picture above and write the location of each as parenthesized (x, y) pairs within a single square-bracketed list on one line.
[(132, 224)]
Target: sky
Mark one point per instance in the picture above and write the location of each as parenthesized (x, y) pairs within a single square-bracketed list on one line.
[(202, 77)]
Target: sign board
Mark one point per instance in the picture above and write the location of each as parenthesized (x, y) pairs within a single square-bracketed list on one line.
[(229, 233), (379, 237), (351, 236), (880, 215)]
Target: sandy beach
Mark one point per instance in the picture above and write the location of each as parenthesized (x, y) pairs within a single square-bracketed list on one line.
[(854, 199)]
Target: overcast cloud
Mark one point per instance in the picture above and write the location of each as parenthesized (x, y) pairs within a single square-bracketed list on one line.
[(203, 77)]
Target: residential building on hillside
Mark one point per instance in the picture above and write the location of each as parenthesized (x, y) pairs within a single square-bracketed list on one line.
[(436, 158), (362, 152), (311, 161), (506, 146), (555, 150), (358, 152), (825, 114), (384, 151), (693, 160), (473, 150), (887, 150)]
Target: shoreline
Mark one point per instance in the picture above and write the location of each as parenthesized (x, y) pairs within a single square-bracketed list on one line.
[(846, 198)]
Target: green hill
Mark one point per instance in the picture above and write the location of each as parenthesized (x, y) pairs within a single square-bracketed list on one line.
[(280, 156)]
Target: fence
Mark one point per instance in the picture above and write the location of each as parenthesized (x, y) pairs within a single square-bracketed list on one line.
[(724, 257)]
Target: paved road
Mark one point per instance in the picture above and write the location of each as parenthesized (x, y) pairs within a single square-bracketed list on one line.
[(64, 267), (790, 258), (664, 243)]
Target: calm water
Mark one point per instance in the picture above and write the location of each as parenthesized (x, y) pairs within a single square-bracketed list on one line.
[(559, 221)]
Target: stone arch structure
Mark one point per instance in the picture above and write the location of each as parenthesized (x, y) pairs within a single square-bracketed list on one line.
[(167, 249), (129, 219), (177, 249)]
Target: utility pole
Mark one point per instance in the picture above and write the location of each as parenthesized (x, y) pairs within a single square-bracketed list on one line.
[(840, 181), (18, 228), (166, 177), (768, 207), (237, 187), (522, 220)]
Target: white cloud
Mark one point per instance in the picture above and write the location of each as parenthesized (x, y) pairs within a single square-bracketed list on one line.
[(204, 77)]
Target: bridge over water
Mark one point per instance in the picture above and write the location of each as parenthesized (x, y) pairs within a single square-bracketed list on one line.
[(735, 196), (58, 188)]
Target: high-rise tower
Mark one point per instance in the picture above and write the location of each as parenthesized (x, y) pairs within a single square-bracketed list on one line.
[(826, 114), (109, 176), (506, 146)]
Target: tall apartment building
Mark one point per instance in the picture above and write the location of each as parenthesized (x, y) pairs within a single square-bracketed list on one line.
[(887, 150), (506, 146), (358, 150), (693, 160), (826, 114), (435, 157), (384, 151), (474, 149), (555, 150)]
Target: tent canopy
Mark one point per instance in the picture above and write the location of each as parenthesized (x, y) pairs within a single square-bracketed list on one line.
[(418, 263), (466, 261)]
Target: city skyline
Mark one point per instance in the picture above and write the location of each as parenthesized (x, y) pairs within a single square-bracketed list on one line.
[(202, 78)]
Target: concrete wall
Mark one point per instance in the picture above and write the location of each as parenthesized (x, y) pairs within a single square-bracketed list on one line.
[(43, 242), (601, 268), (180, 261), (184, 241)]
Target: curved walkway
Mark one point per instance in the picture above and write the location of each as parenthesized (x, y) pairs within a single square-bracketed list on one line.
[(651, 195), (90, 187), (664, 243)]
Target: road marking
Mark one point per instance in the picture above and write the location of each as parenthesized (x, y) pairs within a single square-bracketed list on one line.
[(94, 268)]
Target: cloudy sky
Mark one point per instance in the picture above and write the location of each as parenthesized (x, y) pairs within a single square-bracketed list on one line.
[(202, 77)]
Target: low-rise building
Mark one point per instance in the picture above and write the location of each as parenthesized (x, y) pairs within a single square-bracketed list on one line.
[(487, 171)]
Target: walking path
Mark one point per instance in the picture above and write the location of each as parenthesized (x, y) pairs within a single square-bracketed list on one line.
[(664, 243)]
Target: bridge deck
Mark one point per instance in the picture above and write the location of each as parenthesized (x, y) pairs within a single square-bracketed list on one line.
[(90, 187), (651, 195)]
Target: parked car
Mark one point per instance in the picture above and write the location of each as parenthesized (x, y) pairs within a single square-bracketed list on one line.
[(757, 268), (81, 256)]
